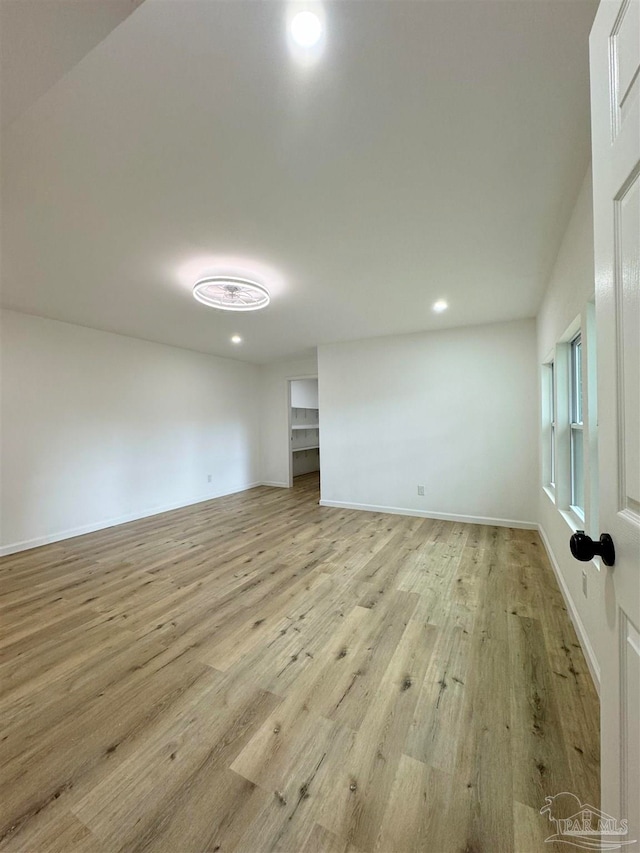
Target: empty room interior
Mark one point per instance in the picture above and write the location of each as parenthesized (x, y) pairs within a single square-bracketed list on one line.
[(320, 426)]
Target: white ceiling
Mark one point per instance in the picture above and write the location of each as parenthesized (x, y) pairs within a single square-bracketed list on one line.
[(42, 39), (434, 150)]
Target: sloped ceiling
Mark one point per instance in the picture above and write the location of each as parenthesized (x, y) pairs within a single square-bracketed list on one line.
[(41, 40)]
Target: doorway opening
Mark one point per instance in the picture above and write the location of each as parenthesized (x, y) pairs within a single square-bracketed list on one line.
[(304, 433)]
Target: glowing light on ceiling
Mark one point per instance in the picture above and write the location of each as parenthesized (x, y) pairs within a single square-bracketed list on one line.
[(231, 294), (306, 29)]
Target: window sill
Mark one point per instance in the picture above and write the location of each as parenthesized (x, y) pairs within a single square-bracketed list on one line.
[(577, 513), (550, 492), (573, 519)]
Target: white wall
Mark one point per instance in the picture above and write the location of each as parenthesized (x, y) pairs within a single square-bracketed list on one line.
[(275, 434), (454, 410), (566, 304), (304, 393), (99, 428)]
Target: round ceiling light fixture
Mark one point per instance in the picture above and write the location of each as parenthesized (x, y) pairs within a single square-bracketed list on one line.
[(306, 29), (231, 294), (440, 306)]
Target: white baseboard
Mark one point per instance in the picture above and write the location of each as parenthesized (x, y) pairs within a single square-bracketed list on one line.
[(274, 485), (587, 648), (49, 539), (441, 516)]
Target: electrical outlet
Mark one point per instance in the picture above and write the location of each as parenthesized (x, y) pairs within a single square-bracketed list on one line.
[(421, 490), (209, 478), (584, 583)]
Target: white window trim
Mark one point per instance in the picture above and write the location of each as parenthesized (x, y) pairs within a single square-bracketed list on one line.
[(548, 427), (574, 424), (561, 496)]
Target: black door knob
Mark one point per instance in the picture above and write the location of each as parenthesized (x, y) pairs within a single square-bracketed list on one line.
[(584, 548)]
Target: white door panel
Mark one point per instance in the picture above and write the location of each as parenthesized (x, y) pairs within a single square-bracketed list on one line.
[(615, 110), (630, 718), (625, 64), (627, 218)]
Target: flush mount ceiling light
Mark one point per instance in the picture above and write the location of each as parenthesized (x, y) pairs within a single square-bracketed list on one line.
[(306, 29), (231, 294), (440, 306), (236, 339)]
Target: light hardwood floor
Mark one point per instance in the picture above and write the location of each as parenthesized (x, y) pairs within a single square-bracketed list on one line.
[(260, 673)]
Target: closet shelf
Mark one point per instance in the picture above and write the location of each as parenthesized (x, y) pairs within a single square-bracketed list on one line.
[(305, 426), (309, 447)]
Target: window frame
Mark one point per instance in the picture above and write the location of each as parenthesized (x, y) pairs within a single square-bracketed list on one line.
[(576, 423)]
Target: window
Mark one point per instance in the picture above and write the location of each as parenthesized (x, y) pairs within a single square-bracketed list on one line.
[(576, 430)]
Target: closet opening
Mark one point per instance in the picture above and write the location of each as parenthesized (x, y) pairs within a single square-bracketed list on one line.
[(304, 432)]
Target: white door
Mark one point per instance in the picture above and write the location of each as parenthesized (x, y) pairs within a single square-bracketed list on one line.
[(615, 111)]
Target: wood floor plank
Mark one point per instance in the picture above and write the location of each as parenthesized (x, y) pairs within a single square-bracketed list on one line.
[(439, 720), (65, 835), (125, 809), (531, 833), (485, 751), (536, 732), (424, 810), (364, 775), (260, 673), (68, 760)]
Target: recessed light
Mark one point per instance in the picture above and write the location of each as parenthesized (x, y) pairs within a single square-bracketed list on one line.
[(236, 339), (231, 294), (306, 29), (440, 306)]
